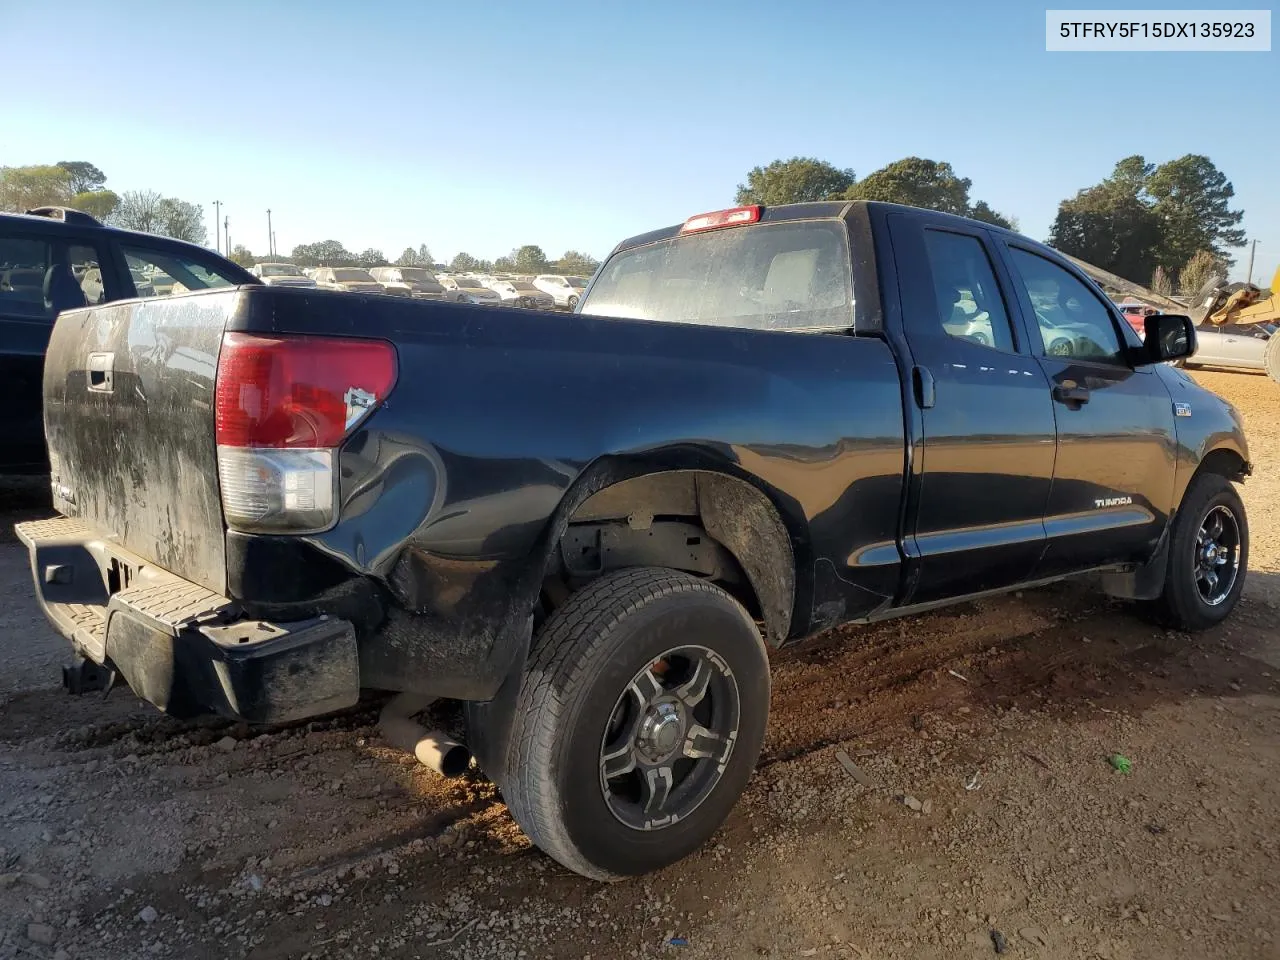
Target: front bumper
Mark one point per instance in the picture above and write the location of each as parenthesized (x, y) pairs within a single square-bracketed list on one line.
[(181, 647)]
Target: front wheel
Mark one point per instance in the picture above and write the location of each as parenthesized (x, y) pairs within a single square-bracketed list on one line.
[(1208, 556), (572, 302), (639, 719)]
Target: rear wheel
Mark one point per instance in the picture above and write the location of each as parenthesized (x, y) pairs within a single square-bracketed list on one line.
[(1208, 556), (639, 720), (572, 302)]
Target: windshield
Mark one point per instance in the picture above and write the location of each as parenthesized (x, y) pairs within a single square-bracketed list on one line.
[(783, 276), (577, 281), (351, 275), (469, 284), (524, 287), (279, 270), (416, 275)]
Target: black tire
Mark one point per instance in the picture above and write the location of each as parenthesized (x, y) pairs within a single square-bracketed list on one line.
[(1183, 605), (572, 302), (587, 660)]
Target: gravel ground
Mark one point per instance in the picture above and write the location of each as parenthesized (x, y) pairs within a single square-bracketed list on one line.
[(931, 788)]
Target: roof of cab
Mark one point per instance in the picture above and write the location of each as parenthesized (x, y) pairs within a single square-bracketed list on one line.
[(817, 210)]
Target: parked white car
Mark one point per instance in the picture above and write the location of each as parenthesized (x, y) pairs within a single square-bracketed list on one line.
[(281, 275), (409, 281), (522, 293), (468, 290), (565, 291), (348, 279)]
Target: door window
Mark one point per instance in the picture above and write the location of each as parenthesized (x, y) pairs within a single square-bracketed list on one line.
[(23, 264), (968, 298), (159, 273), (1073, 321), (87, 270)]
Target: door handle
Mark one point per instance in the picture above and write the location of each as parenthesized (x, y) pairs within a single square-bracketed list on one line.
[(99, 370), (1071, 393), (922, 381)]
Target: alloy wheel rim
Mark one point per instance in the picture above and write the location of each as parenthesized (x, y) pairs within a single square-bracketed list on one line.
[(669, 738), (1216, 564)]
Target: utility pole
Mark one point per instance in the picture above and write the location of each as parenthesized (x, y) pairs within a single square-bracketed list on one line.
[(226, 233), (217, 224), (271, 244), (1253, 248)]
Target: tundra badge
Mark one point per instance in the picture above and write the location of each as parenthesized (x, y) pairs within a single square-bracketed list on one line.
[(1181, 408), (1112, 502)]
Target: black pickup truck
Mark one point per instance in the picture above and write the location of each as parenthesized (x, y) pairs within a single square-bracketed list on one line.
[(591, 528)]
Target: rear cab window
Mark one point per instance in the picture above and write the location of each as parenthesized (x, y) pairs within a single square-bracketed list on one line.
[(786, 276)]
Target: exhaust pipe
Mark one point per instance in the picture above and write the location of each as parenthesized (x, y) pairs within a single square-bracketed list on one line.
[(433, 748)]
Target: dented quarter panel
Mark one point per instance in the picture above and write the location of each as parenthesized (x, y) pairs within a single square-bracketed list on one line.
[(503, 421)]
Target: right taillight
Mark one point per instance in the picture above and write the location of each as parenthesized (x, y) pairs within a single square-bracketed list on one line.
[(282, 407)]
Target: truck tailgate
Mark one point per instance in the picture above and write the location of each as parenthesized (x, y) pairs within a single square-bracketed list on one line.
[(128, 392)]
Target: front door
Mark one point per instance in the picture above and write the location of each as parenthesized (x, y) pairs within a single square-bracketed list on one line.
[(982, 470), (1113, 476)]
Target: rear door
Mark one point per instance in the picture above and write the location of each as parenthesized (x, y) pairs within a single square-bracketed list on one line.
[(1209, 345), (41, 274), (1114, 471), (981, 477)]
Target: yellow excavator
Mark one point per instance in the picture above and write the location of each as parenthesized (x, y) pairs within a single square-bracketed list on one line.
[(1242, 304), (1217, 303)]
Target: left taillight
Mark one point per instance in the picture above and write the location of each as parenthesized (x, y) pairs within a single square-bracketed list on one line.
[(283, 405)]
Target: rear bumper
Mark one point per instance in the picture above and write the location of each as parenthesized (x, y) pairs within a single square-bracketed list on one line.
[(180, 646)]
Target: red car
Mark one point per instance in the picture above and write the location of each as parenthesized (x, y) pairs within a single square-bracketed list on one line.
[(1136, 314)]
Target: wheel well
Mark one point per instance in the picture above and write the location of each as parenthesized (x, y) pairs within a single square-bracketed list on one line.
[(1226, 462), (706, 523)]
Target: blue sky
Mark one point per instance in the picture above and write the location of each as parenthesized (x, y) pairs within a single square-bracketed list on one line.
[(480, 127)]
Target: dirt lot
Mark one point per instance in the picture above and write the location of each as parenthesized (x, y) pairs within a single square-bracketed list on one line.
[(124, 834)]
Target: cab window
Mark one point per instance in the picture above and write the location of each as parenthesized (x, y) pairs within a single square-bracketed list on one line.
[(1073, 322), (970, 306), (159, 273)]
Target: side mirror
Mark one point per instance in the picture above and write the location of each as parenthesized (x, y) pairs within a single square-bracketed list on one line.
[(1169, 336)]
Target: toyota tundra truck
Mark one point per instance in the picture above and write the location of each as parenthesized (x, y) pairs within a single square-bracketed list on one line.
[(593, 528)]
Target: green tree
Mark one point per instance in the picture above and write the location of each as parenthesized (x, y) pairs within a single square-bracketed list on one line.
[(577, 264), (529, 259), (97, 203), (242, 256), (371, 258), (1197, 272), (1192, 198), (506, 264), (407, 259), (981, 211), (464, 262), (82, 176), (23, 188), (917, 182), (424, 256), (1112, 225), (793, 181), (325, 253)]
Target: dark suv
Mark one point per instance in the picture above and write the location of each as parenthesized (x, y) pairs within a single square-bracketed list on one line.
[(53, 259)]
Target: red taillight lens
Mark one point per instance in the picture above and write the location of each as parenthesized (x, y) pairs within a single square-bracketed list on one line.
[(297, 391), (721, 218)]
